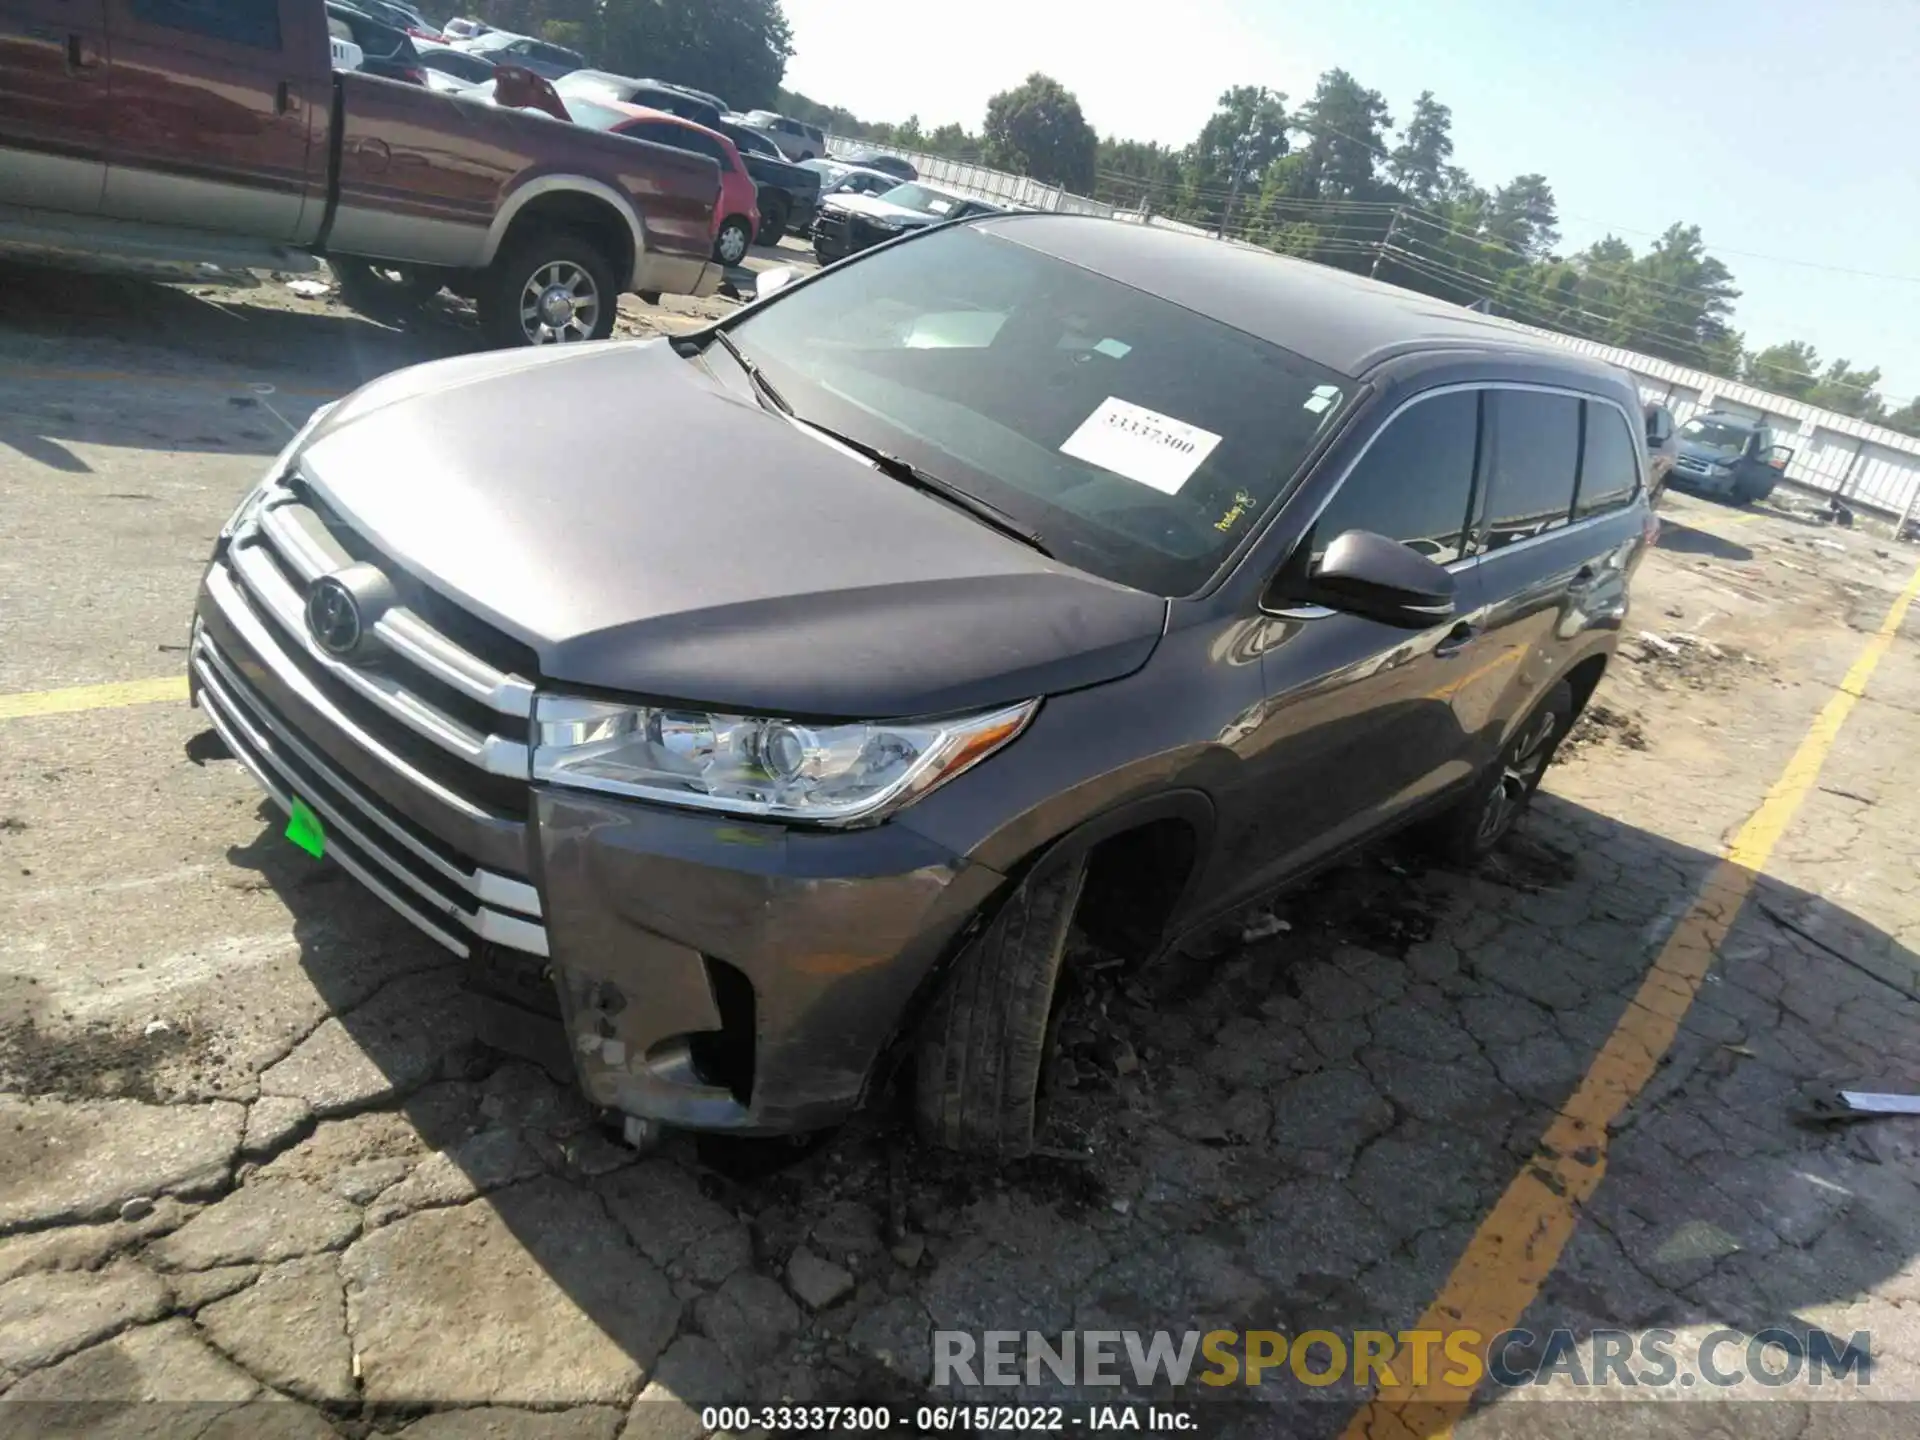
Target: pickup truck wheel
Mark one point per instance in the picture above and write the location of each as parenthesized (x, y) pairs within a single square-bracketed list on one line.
[(984, 1043), (1470, 830), (730, 245), (773, 221), (550, 288), (384, 291)]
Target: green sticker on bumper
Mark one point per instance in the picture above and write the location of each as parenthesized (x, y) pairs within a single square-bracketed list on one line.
[(305, 830)]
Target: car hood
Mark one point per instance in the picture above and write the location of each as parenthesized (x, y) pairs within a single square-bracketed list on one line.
[(648, 529), (1695, 451), (879, 209)]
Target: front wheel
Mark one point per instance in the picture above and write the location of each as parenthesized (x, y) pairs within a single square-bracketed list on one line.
[(984, 1043), (730, 245), (1475, 825), (550, 288)]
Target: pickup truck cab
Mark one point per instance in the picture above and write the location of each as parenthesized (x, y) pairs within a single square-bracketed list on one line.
[(159, 131)]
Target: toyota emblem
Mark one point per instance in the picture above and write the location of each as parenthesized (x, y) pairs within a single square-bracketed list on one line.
[(333, 616)]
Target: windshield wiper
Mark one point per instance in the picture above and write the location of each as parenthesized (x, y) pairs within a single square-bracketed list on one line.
[(908, 473), (754, 373), (890, 464)]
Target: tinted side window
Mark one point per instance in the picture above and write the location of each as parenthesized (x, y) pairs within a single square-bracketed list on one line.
[(242, 22), (1533, 447), (1609, 474), (659, 132), (1415, 482), (704, 144)]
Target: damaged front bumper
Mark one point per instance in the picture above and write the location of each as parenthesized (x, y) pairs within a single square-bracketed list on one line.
[(692, 969), (730, 975)]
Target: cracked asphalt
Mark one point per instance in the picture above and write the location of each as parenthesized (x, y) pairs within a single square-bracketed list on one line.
[(257, 1177)]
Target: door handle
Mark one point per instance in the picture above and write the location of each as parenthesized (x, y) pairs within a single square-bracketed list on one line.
[(1456, 640)]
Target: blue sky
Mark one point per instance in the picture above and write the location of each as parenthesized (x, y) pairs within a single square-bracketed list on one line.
[(1782, 128)]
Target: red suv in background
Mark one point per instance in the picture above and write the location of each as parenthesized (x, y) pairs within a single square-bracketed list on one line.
[(736, 220)]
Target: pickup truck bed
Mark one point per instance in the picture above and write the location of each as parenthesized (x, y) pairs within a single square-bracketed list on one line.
[(123, 136)]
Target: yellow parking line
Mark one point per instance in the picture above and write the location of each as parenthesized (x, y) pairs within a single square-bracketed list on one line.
[(93, 697), (1519, 1243)]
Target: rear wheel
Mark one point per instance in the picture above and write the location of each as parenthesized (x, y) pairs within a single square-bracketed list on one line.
[(549, 288), (773, 219), (384, 292), (984, 1044), (1480, 820), (730, 245)]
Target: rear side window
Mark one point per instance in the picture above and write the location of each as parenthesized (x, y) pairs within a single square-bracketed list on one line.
[(240, 22), (1533, 451), (1609, 473), (1415, 482)]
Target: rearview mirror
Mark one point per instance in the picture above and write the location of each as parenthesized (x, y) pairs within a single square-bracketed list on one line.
[(1369, 575), (771, 282)]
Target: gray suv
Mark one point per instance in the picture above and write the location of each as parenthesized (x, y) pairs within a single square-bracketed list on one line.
[(1031, 572)]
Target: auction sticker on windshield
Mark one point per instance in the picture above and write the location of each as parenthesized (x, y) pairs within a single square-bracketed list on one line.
[(1141, 444)]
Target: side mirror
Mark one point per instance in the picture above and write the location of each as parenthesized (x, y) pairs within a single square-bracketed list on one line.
[(771, 282), (1369, 575)]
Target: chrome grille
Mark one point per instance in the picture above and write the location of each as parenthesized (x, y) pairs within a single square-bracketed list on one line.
[(428, 730)]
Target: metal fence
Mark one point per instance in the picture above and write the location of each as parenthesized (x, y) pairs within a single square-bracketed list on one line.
[(1834, 454), (1864, 464)]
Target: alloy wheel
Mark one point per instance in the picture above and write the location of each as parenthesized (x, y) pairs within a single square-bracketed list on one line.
[(559, 304), (734, 240), (1520, 770)]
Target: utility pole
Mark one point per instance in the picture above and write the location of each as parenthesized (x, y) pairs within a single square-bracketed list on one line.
[(1233, 190), (1393, 224)]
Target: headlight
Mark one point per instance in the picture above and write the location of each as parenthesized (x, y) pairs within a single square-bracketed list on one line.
[(751, 765), (281, 462)]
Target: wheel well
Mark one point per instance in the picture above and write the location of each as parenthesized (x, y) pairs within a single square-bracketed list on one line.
[(1584, 678), (593, 220), (1134, 880)]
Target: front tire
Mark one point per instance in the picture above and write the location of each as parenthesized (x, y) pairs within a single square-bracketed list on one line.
[(1475, 825), (548, 288), (983, 1045)]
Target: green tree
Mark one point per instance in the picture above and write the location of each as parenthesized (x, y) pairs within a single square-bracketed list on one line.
[(1850, 391), (1418, 163), (954, 141), (737, 49), (1523, 216), (1346, 126), (1246, 133), (1791, 369), (1037, 129), (1906, 419)]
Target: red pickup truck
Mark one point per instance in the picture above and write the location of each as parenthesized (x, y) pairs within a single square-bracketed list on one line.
[(217, 130)]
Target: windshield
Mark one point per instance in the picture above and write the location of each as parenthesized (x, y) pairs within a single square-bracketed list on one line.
[(1715, 435), (921, 198), (1141, 440)]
